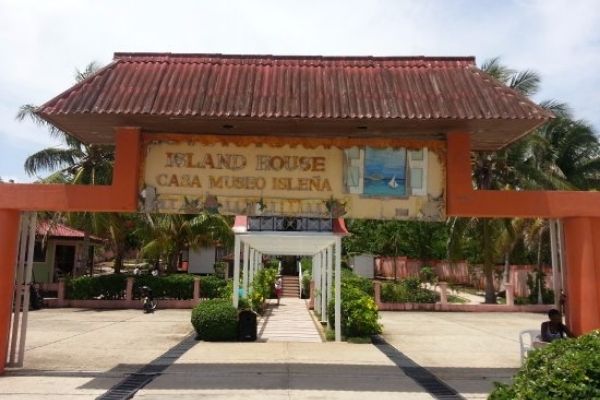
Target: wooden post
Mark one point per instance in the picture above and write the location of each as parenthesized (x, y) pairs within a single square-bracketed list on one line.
[(377, 292), (443, 293), (196, 289), (129, 289), (61, 292), (10, 221), (311, 300), (510, 294)]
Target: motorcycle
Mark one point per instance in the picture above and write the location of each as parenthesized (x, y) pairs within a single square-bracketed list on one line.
[(149, 304)]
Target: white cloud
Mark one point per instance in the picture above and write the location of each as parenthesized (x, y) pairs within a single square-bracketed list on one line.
[(43, 42)]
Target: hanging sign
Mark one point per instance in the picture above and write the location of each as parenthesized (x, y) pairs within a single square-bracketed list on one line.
[(257, 179)]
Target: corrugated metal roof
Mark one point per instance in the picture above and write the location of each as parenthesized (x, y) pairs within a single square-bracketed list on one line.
[(300, 87), (210, 86), (44, 228)]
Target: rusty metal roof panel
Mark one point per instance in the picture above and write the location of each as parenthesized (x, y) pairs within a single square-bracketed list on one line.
[(185, 92), (287, 87)]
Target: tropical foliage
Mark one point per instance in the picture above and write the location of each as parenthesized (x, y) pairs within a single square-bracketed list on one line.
[(564, 154), (565, 369)]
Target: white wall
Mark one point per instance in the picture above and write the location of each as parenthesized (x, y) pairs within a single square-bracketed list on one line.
[(363, 265), (202, 260)]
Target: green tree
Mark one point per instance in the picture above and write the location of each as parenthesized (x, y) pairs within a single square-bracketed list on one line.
[(75, 162), (167, 235)]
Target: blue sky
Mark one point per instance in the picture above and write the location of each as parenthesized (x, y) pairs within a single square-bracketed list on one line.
[(43, 42)]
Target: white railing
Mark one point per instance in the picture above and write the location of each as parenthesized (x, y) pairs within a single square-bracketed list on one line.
[(299, 279)]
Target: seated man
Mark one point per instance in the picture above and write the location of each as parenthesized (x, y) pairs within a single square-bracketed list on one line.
[(554, 329)]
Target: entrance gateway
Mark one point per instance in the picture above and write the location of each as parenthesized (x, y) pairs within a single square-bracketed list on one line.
[(314, 138)]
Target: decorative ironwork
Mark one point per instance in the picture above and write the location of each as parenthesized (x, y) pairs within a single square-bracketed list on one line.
[(289, 224)]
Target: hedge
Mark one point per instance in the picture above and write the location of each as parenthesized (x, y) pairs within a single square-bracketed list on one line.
[(112, 287), (408, 290), (109, 287), (564, 369), (215, 320)]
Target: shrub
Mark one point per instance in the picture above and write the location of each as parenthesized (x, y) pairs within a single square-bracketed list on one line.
[(408, 290), (211, 286), (350, 279), (359, 313), (428, 275), (263, 287), (178, 286), (110, 287), (221, 269), (565, 369), (215, 320), (264, 282)]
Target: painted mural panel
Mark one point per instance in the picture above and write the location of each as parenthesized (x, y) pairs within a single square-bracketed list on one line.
[(187, 176), (385, 172)]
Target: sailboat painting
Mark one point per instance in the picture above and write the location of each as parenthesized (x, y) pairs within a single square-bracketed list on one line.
[(385, 172)]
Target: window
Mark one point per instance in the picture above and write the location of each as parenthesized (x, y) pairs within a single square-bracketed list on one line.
[(417, 163)]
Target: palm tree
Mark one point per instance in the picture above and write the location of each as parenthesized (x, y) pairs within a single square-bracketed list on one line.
[(74, 162), (167, 235)]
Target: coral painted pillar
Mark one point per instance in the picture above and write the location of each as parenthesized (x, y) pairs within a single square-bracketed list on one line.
[(582, 242), (9, 236)]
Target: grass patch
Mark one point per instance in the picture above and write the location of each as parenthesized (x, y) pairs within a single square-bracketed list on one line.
[(456, 299)]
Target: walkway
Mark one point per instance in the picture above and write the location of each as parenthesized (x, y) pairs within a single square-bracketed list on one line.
[(289, 321), (79, 354)]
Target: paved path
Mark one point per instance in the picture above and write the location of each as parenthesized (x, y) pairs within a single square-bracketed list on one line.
[(289, 321), (75, 354)]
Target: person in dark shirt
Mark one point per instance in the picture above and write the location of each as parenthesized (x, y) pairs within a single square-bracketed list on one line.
[(554, 328)]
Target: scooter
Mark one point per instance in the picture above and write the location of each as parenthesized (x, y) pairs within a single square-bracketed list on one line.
[(148, 300)]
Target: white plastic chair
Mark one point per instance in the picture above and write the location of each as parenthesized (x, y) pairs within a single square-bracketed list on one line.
[(527, 338)]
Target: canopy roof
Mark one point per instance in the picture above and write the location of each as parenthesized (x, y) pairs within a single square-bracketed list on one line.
[(416, 97), (303, 243)]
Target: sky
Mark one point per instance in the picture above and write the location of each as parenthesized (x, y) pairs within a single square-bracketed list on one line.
[(43, 42)]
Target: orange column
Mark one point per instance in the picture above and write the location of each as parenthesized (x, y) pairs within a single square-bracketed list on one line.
[(9, 236), (582, 251)]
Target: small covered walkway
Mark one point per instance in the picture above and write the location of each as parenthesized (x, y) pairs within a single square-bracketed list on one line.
[(318, 237), (290, 321)]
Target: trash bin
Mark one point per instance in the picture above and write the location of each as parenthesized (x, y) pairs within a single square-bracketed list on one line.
[(247, 326)]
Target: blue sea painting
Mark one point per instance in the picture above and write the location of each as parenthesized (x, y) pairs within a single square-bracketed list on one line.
[(385, 172)]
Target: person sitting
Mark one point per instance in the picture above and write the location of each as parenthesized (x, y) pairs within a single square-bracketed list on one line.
[(554, 328)]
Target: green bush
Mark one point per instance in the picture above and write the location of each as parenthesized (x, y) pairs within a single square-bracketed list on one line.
[(359, 313), (110, 287), (350, 279), (273, 264), (215, 320), (408, 290), (221, 269), (211, 286), (263, 287), (428, 275), (177, 286), (565, 369)]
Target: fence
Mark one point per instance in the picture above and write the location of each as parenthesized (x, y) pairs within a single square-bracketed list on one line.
[(443, 304), (460, 273)]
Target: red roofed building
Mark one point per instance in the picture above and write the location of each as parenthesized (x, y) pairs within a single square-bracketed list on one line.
[(59, 251)]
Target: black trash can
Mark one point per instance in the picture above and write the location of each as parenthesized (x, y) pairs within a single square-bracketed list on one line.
[(247, 326)]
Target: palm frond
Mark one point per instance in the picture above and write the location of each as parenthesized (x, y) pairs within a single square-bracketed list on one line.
[(88, 71), (557, 108), (526, 82), (28, 111), (497, 70), (51, 159)]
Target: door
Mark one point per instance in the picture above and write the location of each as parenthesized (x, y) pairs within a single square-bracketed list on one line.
[(64, 260)]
